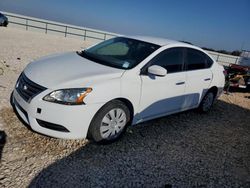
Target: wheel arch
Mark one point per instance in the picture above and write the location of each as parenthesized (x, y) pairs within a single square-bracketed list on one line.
[(213, 89), (127, 102), (130, 106)]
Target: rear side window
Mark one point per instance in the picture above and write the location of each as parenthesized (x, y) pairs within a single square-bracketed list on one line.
[(197, 60), (170, 59), (209, 61)]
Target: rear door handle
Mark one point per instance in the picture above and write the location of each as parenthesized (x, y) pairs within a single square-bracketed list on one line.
[(180, 83), (207, 79)]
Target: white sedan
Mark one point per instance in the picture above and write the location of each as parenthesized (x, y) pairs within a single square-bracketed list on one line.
[(98, 92)]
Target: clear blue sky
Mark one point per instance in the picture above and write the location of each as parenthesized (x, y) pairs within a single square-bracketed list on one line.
[(218, 24)]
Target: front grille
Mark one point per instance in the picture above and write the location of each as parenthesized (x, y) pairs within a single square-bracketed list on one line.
[(28, 89)]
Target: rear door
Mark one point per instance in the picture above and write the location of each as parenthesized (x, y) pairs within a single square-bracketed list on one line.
[(198, 76)]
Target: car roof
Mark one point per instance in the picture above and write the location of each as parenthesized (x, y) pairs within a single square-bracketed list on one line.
[(156, 40), (164, 42)]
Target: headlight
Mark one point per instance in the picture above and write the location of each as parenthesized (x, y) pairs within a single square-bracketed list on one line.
[(73, 96)]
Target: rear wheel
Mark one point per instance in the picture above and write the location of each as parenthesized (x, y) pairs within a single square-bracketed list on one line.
[(207, 102), (110, 122)]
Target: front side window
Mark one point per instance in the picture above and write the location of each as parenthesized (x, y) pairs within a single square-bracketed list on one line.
[(197, 60), (170, 59), (120, 52)]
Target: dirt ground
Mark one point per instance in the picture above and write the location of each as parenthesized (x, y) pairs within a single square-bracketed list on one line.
[(183, 150)]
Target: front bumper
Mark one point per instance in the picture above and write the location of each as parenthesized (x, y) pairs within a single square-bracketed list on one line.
[(74, 120)]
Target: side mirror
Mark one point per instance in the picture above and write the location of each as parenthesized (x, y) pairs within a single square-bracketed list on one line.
[(157, 70)]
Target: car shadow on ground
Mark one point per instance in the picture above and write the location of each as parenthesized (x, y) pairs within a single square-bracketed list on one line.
[(186, 149)]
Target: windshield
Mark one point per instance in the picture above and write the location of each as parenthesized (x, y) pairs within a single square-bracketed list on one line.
[(120, 52)]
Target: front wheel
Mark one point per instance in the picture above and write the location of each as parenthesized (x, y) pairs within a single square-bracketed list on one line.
[(207, 102), (110, 122)]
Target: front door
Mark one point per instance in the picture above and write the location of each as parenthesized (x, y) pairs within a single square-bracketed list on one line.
[(162, 95)]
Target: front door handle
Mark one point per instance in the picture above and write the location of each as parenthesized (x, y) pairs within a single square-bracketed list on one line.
[(207, 79), (180, 83)]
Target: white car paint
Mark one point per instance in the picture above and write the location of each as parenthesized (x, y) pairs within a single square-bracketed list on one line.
[(148, 96), (62, 75)]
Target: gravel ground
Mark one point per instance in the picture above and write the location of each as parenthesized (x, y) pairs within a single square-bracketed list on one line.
[(183, 150)]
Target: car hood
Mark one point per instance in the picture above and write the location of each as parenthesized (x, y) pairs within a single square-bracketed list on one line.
[(68, 70)]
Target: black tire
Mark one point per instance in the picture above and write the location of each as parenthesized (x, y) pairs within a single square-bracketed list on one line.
[(207, 102), (94, 132), (5, 24), (11, 99)]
